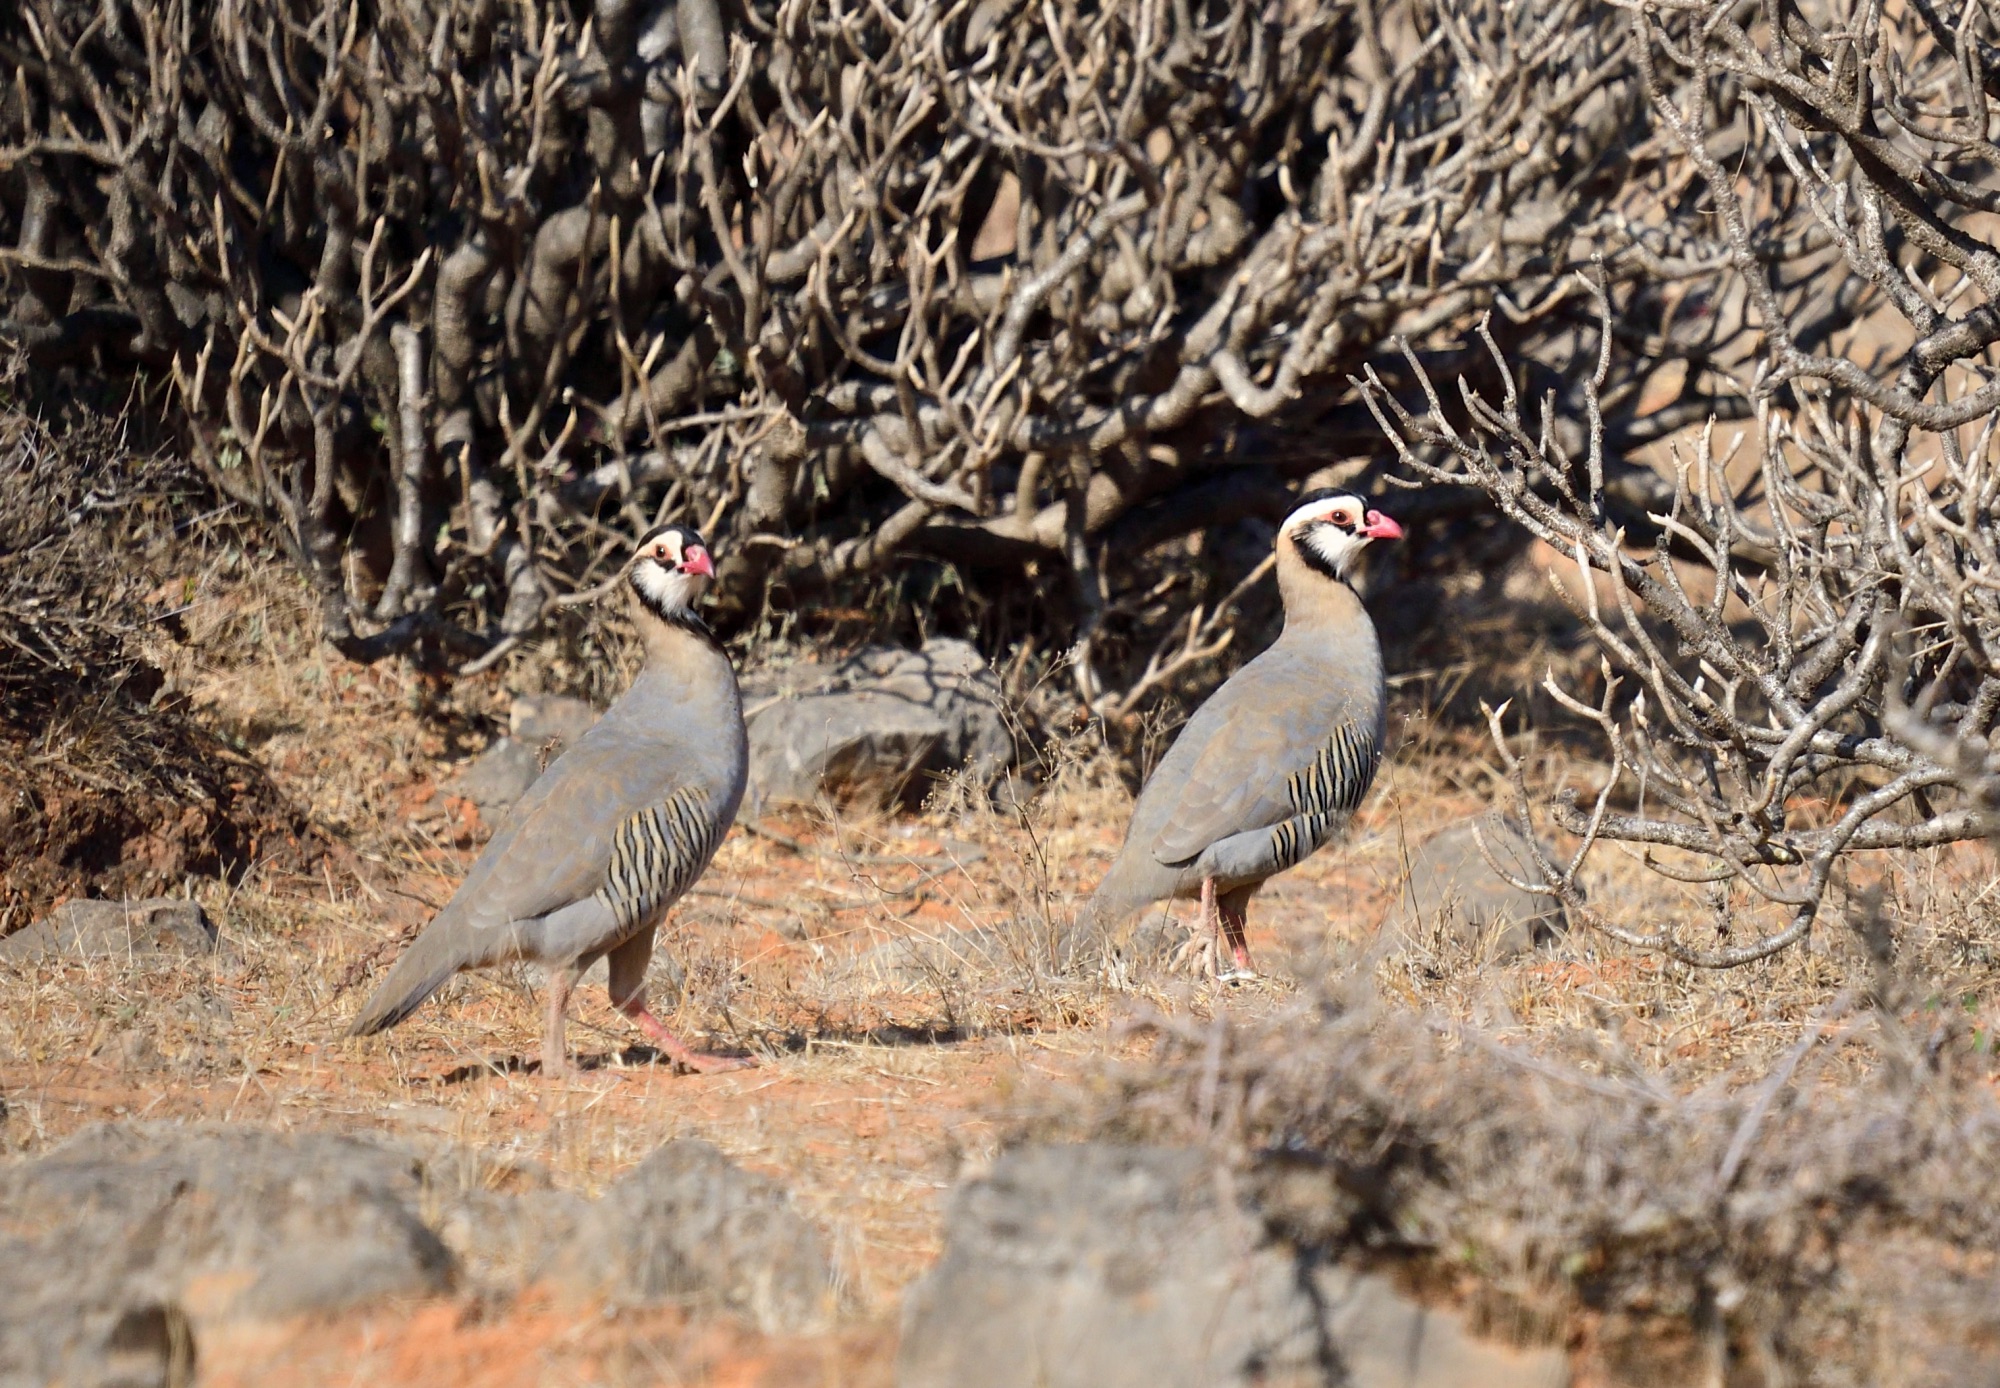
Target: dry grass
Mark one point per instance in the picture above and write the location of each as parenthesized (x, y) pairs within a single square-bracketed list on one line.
[(891, 978)]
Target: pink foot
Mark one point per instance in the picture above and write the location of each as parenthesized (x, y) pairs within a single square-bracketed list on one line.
[(699, 1061)]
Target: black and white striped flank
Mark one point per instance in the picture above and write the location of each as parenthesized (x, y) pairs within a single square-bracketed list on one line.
[(657, 854), (1326, 793)]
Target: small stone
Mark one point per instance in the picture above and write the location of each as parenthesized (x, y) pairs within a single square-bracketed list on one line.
[(1452, 887), (101, 929), (536, 719), (498, 777)]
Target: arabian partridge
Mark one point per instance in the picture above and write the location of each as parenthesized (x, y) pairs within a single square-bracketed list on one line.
[(613, 833), (1272, 766)]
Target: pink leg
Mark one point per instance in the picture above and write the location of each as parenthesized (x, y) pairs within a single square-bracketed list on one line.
[(1210, 927), (627, 979), (1233, 913), (555, 1055), (635, 1008)]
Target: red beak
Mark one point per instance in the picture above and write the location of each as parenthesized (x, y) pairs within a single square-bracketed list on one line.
[(1380, 527), (696, 561)]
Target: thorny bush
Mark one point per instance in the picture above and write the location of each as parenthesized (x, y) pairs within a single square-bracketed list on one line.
[(462, 293), (1809, 615)]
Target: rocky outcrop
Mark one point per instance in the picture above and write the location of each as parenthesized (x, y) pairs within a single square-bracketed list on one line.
[(688, 1225), (118, 1246), (876, 728), (115, 929), (124, 1246), (1105, 1266)]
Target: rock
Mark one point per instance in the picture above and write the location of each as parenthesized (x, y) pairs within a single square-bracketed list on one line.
[(540, 726), (1451, 887), (1108, 1266), (121, 1245), (538, 719), (501, 1240), (876, 726), (498, 777), (857, 746), (687, 1224), (100, 929)]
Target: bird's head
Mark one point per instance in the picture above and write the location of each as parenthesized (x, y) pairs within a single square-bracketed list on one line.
[(1329, 530), (671, 571)]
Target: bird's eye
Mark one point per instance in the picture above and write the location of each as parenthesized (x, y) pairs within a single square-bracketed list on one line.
[(660, 553)]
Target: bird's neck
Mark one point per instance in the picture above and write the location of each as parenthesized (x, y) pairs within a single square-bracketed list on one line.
[(682, 645), (1314, 602)]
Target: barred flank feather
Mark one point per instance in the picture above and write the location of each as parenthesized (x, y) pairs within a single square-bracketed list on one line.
[(656, 855), (1326, 793)]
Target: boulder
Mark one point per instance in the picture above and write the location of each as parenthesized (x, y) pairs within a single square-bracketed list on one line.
[(539, 727), (117, 1248), (689, 1225), (1108, 1266), (100, 929), (876, 727), (1451, 887), (539, 719)]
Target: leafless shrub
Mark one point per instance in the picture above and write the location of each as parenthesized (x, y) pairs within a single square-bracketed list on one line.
[(1801, 634), (460, 293)]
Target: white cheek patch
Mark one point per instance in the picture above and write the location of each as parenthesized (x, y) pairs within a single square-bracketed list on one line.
[(659, 587), (1334, 545)]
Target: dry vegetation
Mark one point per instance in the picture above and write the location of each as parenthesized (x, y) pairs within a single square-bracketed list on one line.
[(1549, 1132), (1021, 322)]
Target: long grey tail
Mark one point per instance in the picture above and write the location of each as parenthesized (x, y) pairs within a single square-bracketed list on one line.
[(425, 966), (1091, 936)]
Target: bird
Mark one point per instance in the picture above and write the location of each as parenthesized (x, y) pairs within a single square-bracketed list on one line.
[(1277, 760), (617, 829)]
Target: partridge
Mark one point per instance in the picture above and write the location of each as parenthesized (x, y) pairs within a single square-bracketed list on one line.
[(1276, 761), (613, 833)]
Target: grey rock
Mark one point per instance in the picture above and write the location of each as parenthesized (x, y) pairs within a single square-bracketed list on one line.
[(501, 1241), (540, 726), (688, 1225), (538, 719), (499, 776), (118, 1248), (1452, 888), (876, 727), (100, 929), (1108, 1266)]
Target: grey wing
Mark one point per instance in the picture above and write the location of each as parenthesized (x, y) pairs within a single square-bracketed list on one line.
[(1283, 749), (558, 847)]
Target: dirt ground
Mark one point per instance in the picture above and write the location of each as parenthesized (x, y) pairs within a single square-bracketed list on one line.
[(877, 1085)]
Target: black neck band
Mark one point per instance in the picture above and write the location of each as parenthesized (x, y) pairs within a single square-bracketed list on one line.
[(682, 617)]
